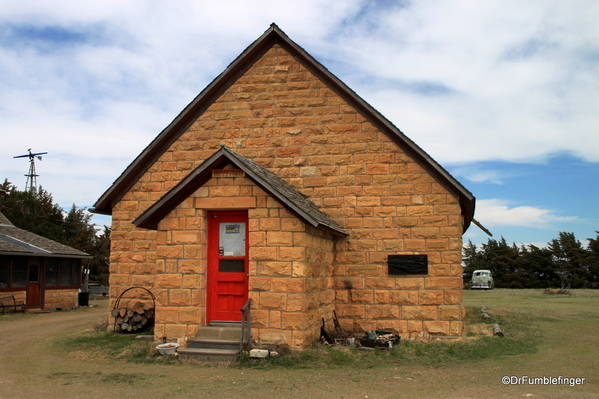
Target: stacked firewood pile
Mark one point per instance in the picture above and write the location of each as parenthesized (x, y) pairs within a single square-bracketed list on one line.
[(133, 318)]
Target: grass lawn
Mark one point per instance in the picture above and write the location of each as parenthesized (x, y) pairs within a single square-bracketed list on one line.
[(545, 336)]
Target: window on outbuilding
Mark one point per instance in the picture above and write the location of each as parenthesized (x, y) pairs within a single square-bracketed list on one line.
[(67, 277), (62, 272), (52, 269), (59, 272), (19, 271), (13, 272), (4, 271)]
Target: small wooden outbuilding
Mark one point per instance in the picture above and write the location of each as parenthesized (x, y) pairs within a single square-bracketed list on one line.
[(37, 271)]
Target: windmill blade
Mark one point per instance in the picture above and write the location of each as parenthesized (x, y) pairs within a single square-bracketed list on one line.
[(31, 155)]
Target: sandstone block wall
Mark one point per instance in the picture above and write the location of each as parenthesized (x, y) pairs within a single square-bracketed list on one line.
[(54, 299), (282, 117), (61, 299), (290, 266), (19, 295)]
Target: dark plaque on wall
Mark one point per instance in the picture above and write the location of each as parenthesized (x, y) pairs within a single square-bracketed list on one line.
[(407, 264)]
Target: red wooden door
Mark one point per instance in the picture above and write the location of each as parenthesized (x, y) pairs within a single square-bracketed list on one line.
[(227, 265), (33, 284)]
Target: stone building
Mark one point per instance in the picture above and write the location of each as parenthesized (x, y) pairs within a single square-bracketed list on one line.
[(278, 183)]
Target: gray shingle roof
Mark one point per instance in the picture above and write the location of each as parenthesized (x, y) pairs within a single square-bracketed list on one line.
[(286, 194), (16, 241)]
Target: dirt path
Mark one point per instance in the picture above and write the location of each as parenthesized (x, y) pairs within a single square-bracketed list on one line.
[(23, 336)]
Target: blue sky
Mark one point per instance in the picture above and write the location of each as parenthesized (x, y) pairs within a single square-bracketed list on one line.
[(508, 102)]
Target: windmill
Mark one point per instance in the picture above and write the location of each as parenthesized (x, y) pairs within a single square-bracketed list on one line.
[(31, 184)]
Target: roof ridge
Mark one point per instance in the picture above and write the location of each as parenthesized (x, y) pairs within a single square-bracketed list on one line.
[(4, 221)]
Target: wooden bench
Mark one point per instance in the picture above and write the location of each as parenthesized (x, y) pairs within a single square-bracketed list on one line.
[(10, 302)]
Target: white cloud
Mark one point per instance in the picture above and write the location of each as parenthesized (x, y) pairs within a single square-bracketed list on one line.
[(513, 86), (477, 175), (498, 212), (467, 81), (519, 86), (96, 102)]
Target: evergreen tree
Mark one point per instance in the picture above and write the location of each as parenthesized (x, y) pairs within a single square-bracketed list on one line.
[(79, 231), (572, 261), (100, 263), (593, 252), (518, 275), (502, 259), (33, 211), (541, 266)]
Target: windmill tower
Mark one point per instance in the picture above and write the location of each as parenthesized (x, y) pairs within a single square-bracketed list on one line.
[(31, 184)]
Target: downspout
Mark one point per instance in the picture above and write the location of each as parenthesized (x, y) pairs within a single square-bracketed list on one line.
[(85, 286)]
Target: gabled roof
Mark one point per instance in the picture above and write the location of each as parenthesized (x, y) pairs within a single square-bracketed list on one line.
[(240, 65), (272, 184), (4, 221), (16, 241)]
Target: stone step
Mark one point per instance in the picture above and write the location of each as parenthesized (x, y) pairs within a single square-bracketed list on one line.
[(220, 331), (225, 324), (217, 342), (213, 343), (208, 355)]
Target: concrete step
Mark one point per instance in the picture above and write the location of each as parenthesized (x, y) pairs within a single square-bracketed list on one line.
[(225, 324), (208, 354), (217, 342), (220, 331), (213, 343)]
